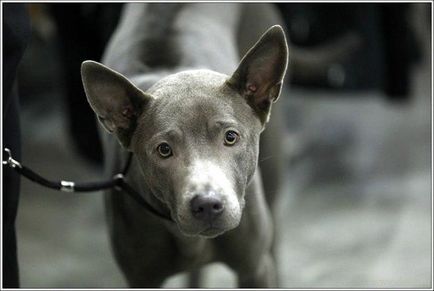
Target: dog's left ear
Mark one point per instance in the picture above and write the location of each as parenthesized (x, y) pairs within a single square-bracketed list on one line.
[(260, 74)]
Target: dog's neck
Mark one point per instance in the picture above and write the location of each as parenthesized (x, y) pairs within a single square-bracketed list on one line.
[(135, 179), (190, 247)]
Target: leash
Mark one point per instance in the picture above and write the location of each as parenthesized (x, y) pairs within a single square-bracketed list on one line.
[(117, 181)]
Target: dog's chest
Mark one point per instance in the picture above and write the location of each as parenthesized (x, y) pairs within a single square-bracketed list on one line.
[(193, 251)]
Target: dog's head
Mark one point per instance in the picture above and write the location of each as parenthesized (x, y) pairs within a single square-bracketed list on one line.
[(195, 133)]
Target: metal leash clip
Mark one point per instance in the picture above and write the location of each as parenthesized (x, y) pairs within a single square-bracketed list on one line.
[(118, 178), (10, 161), (67, 186)]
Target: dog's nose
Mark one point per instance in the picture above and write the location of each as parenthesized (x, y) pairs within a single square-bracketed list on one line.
[(206, 207)]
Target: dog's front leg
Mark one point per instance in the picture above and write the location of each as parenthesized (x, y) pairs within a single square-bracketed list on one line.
[(247, 249), (262, 275)]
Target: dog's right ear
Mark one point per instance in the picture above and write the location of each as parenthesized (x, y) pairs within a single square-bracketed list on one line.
[(115, 100)]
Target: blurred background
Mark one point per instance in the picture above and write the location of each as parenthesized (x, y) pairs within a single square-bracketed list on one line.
[(356, 204)]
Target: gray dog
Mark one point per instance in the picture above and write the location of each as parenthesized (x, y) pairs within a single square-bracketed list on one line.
[(194, 134)]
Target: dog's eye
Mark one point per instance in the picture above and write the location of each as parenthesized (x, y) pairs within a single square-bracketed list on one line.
[(164, 150), (231, 137)]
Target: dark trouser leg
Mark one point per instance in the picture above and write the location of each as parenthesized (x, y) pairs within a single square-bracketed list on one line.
[(11, 190)]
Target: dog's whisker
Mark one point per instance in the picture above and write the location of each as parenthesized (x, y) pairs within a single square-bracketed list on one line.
[(266, 158)]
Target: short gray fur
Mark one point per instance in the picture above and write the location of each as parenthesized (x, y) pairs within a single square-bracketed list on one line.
[(171, 74)]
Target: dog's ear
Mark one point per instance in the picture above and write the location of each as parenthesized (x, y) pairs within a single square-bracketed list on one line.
[(260, 73), (115, 100)]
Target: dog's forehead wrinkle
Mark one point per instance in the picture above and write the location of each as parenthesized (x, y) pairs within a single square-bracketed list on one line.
[(201, 92), (197, 116)]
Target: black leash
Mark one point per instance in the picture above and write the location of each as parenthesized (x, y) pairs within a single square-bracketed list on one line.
[(117, 181)]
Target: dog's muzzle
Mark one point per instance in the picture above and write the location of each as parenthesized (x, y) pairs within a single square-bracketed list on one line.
[(207, 207)]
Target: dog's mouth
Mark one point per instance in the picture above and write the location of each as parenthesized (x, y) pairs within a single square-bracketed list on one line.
[(212, 232), (205, 230)]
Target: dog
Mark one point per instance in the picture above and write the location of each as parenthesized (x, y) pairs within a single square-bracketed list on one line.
[(172, 91)]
